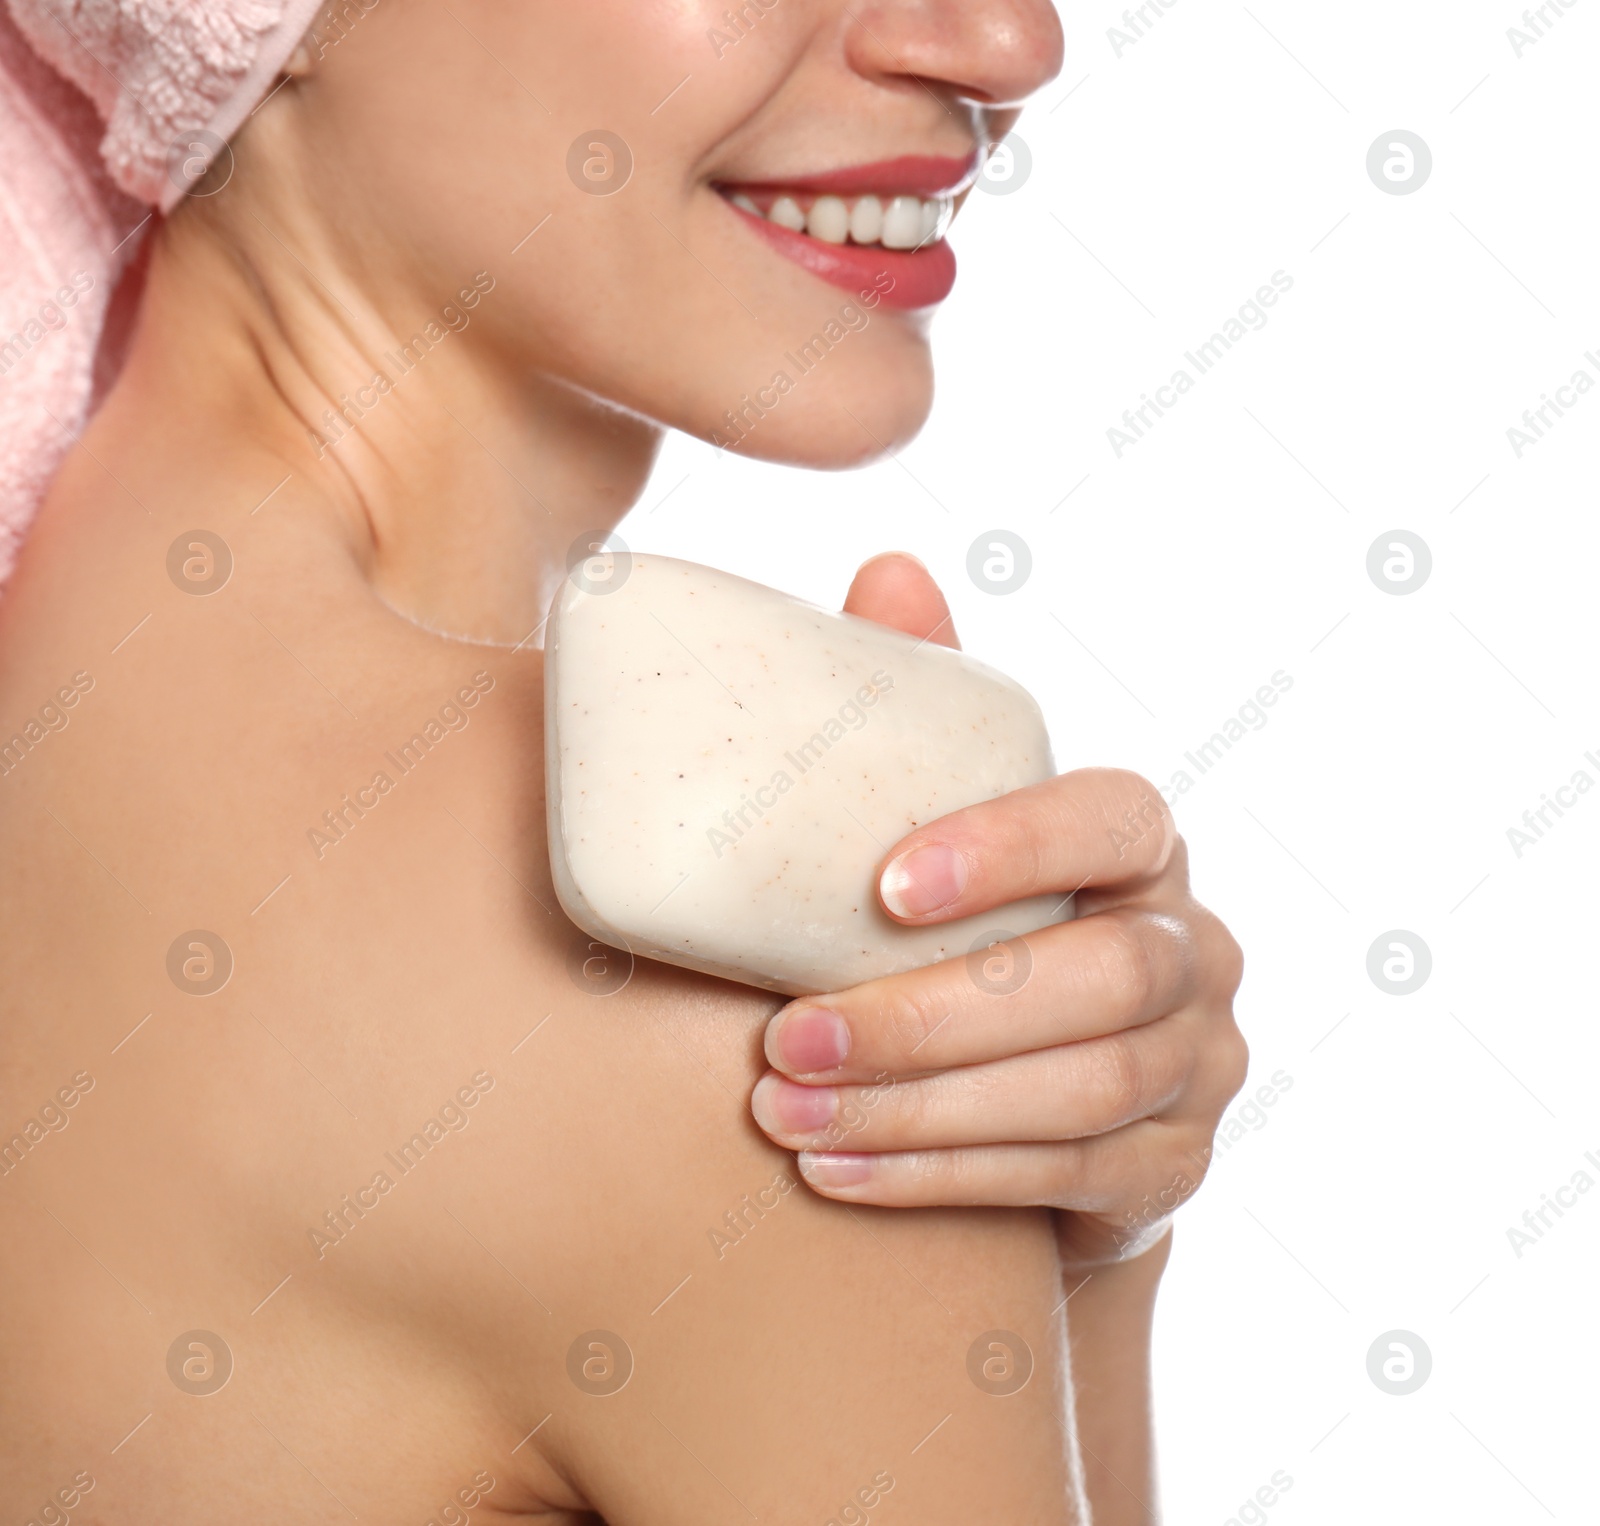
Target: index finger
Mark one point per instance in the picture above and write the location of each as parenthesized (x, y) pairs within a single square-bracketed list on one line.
[(1094, 826)]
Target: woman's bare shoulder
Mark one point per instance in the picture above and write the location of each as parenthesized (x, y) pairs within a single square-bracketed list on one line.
[(288, 897), (714, 1323)]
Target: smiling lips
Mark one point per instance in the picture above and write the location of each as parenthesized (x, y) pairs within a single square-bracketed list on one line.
[(872, 227)]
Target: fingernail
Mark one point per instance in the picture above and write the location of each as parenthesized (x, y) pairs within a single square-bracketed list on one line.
[(923, 880), (782, 1107), (831, 1169), (806, 1039)]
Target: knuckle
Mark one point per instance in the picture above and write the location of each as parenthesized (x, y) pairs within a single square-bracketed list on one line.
[(960, 1170), (1232, 960), (1127, 964), (912, 1013), (1169, 1066), (869, 1112), (1027, 831), (1196, 1156), (1173, 946), (1026, 856), (1064, 1177), (1140, 813), (1233, 1062), (1222, 955), (1014, 830), (1177, 863), (939, 1173), (1125, 1072), (909, 1111), (1173, 1173)]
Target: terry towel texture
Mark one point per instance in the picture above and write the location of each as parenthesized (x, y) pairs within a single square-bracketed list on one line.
[(109, 112)]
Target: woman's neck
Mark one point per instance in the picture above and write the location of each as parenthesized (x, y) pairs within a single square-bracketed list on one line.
[(460, 483)]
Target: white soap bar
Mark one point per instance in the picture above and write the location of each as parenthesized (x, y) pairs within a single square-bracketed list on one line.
[(728, 767)]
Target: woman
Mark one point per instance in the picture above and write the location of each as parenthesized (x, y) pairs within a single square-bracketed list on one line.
[(351, 1177)]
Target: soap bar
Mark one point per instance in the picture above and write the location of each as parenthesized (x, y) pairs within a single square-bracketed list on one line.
[(727, 768)]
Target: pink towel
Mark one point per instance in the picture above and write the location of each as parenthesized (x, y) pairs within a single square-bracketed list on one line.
[(105, 108)]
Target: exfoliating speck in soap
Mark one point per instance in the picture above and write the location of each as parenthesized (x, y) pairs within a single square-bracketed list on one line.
[(728, 767)]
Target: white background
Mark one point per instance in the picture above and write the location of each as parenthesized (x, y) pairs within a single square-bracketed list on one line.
[(1167, 185)]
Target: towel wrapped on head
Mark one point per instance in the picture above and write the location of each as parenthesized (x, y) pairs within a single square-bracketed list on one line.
[(110, 110)]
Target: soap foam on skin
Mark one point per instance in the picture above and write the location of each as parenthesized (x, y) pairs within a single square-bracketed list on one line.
[(727, 768)]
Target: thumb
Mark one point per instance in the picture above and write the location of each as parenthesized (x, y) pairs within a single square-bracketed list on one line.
[(896, 590)]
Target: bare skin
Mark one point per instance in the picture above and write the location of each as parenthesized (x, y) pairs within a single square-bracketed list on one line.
[(585, 1162), (809, 1355), (423, 1347)]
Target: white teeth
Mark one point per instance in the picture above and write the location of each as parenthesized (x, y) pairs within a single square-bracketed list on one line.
[(786, 213), (829, 220), (866, 220), (900, 222)]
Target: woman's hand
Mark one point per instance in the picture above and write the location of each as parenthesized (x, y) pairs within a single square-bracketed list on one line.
[(1083, 1067)]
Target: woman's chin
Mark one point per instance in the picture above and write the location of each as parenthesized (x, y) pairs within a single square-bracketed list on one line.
[(848, 426)]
